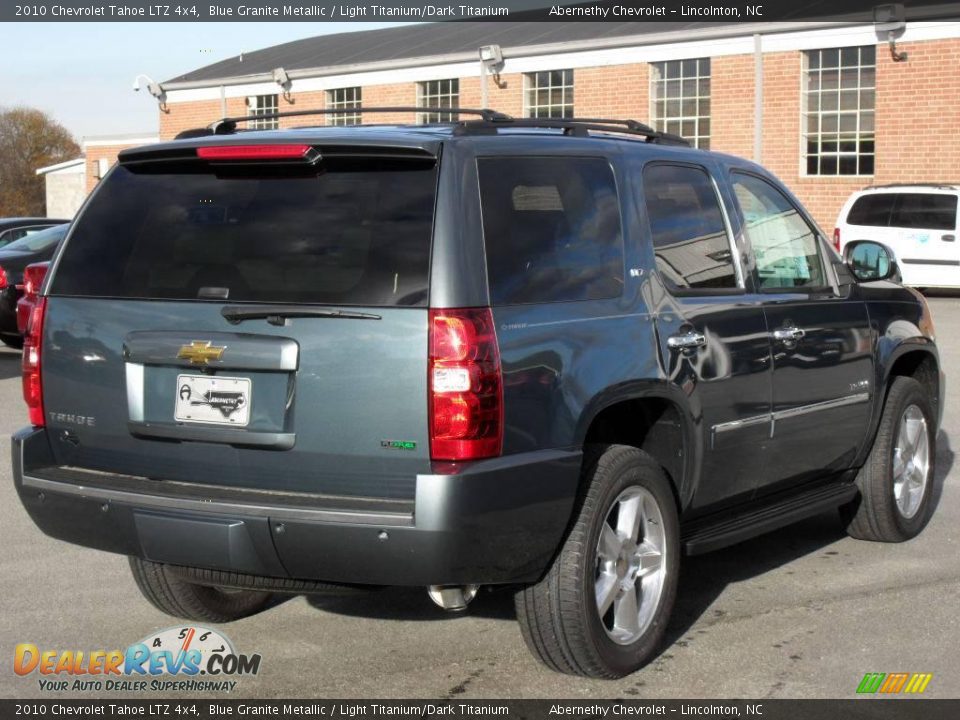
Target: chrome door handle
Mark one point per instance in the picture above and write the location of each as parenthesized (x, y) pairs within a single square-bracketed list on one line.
[(686, 341), (791, 334), (948, 238)]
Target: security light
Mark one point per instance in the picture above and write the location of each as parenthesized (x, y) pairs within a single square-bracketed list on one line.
[(890, 22), (492, 56), (491, 62), (888, 18), (281, 78), (154, 88)]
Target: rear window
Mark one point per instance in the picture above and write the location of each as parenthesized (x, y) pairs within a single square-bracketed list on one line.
[(552, 229), (354, 232), (914, 211)]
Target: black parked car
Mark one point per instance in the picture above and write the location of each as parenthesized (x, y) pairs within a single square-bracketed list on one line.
[(547, 354), (12, 229), (33, 248)]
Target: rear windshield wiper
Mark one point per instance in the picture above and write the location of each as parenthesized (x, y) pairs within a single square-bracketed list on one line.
[(278, 314)]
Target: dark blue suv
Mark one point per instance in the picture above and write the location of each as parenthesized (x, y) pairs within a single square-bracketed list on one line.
[(549, 354)]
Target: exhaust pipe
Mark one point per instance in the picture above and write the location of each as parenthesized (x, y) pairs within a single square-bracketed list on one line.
[(454, 598)]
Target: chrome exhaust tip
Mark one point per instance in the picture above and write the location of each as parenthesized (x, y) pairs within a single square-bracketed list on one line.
[(453, 598)]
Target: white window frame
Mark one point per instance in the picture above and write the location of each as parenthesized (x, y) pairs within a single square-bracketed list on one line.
[(438, 93), (346, 99), (558, 95), (676, 85), (812, 111), (263, 105)]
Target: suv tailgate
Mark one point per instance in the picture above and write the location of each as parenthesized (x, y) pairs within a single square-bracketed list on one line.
[(251, 325)]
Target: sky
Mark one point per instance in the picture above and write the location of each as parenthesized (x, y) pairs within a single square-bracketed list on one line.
[(82, 73)]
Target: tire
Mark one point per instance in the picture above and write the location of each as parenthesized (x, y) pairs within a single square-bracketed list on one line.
[(559, 616), (878, 514), (174, 596), (12, 342)]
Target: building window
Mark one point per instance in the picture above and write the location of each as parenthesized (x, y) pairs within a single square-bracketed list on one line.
[(263, 105), (680, 99), (438, 93), (548, 94), (839, 98), (345, 99)]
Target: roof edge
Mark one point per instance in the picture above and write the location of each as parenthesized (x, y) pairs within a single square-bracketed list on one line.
[(60, 166), (708, 33)]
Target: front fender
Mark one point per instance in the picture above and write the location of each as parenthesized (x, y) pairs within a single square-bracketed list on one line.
[(901, 330)]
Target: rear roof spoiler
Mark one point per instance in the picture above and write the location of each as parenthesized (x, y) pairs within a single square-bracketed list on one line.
[(180, 151)]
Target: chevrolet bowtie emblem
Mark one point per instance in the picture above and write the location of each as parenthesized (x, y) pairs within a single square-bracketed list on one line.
[(200, 353)]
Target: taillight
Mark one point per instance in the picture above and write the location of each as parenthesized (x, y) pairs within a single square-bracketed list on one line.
[(3, 279), (465, 385), (33, 278), (253, 152), (32, 384), (836, 239)]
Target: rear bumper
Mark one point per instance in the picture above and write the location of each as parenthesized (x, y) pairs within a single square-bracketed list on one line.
[(497, 521)]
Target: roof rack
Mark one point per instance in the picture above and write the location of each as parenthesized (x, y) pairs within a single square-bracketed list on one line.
[(945, 185), (228, 125), (579, 127), (488, 121)]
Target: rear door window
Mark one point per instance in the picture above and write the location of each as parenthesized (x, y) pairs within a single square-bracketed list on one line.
[(925, 211), (690, 239), (552, 229), (353, 232)]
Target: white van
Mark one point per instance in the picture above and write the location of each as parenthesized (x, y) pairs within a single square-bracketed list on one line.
[(918, 222)]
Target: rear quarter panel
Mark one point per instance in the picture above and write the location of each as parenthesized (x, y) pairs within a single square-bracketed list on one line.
[(564, 362)]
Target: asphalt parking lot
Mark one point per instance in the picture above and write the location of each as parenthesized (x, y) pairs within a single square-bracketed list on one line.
[(803, 612)]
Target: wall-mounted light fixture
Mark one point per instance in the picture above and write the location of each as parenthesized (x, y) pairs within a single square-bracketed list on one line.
[(491, 63), (281, 78), (154, 88), (890, 22)]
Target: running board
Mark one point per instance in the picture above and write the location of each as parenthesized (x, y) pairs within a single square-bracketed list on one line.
[(705, 536)]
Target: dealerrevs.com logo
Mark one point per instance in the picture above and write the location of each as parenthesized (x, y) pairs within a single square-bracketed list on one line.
[(188, 659)]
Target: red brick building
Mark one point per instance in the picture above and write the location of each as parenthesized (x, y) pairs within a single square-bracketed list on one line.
[(823, 105)]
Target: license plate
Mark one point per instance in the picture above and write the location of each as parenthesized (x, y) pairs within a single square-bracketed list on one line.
[(219, 400)]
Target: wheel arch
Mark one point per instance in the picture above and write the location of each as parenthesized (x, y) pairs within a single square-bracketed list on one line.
[(916, 358), (654, 417)]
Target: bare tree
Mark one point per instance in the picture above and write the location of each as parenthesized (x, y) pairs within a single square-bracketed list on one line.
[(29, 139)]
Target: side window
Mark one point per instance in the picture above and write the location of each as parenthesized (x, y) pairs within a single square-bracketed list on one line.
[(689, 234), (551, 228), (871, 210), (11, 235), (786, 248), (925, 211)]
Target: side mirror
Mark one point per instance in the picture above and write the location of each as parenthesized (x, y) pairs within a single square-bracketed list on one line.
[(869, 261)]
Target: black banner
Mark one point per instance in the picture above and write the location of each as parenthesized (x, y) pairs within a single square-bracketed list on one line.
[(685, 11), (862, 709)]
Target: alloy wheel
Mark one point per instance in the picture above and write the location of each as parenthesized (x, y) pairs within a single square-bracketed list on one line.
[(631, 565)]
